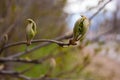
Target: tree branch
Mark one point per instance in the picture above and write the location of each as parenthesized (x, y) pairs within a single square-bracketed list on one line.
[(36, 41), (36, 61), (100, 9), (14, 74), (39, 46), (2, 60), (19, 75)]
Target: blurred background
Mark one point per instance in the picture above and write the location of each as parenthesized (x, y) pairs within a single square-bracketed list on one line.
[(97, 58)]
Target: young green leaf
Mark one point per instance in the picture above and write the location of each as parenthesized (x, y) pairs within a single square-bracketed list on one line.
[(80, 29), (30, 31)]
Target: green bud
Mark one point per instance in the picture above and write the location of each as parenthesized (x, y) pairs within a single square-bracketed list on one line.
[(80, 29), (30, 31)]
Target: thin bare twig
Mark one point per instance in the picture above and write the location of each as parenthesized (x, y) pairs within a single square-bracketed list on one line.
[(36, 41), (35, 61), (39, 46), (14, 74), (100, 9), (20, 60), (19, 75)]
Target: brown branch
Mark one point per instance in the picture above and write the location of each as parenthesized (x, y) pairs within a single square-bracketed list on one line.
[(36, 41), (20, 60), (36, 61), (39, 46), (40, 61), (19, 75), (100, 9), (14, 74)]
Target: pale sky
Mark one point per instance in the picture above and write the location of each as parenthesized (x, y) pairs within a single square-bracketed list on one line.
[(76, 7)]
